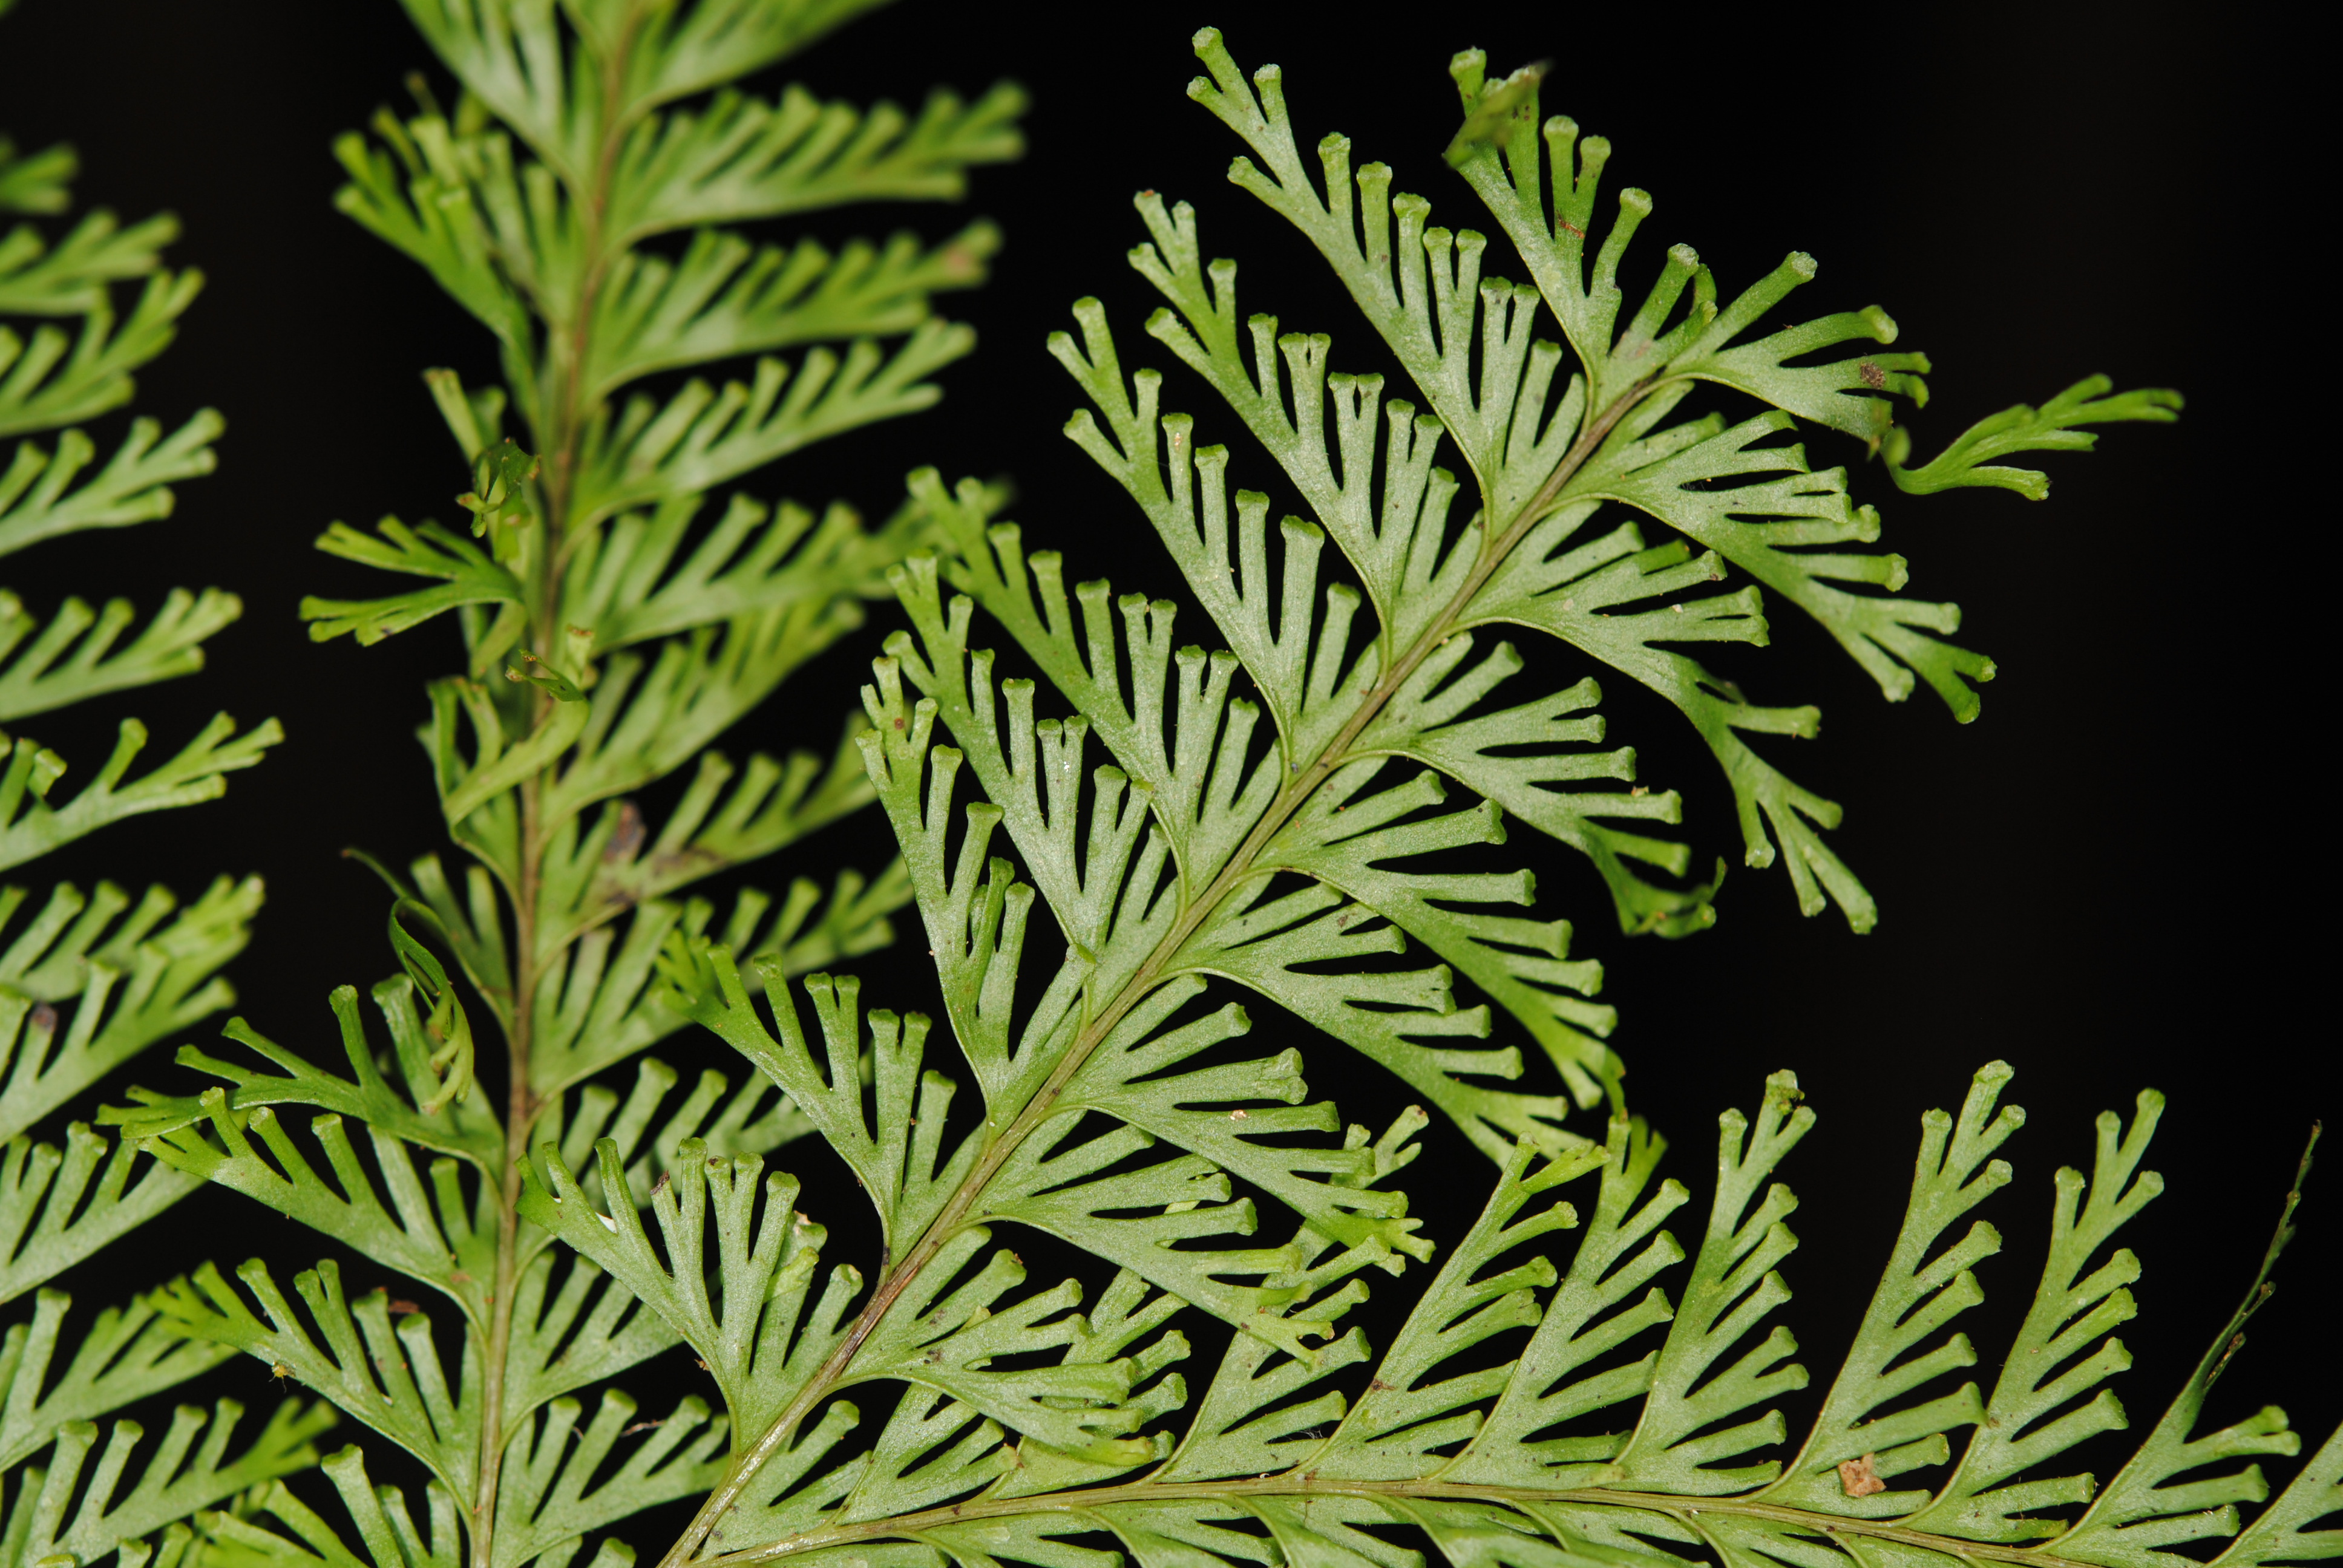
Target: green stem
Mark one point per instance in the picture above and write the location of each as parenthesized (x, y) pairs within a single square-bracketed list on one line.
[(566, 402), (1305, 1485)]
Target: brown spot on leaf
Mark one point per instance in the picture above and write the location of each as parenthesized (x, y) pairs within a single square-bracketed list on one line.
[(400, 1306), (1854, 1476), (1876, 379), (628, 837)]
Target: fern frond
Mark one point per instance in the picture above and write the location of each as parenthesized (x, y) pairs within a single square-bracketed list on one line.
[(744, 158), (172, 1486), (38, 500), (52, 379), (1425, 720), (653, 452), (76, 659), (70, 277), (30, 827), (36, 181), (385, 1526), (545, 1500), (57, 1209), (172, 1126), (628, 584), (389, 1377), (471, 576), (755, 1332), (2051, 428), (723, 298), (128, 1354), (131, 983), (440, 1237), (1439, 1441)]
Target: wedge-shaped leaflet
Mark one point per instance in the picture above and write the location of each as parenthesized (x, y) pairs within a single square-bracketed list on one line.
[(1125, 1313), (1396, 1426), (126, 1354), (941, 1337), (975, 912), (753, 1330), (1924, 1288), (131, 979), (1342, 836), (468, 575), (558, 1345), (56, 1208), (1249, 1422), (701, 437), (1507, 156), (190, 1469), (384, 1374), (386, 1527), (646, 718), (39, 501), (1512, 757), (1297, 660), (1574, 593), (627, 583), (602, 1001), (1982, 1501), (543, 1498), (1420, 289), (1769, 527), (2280, 1533), (2148, 1509), (595, 872), (738, 157), (440, 1237), (31, 826), (75, 658), (1216, 1112), (37, 181), (462, 1126), (895, 1148), (1191, 779), (52, 379), (1732, 1290), (1557, 1378), (1182, 1199), (70, 278), (1258, 938), (1969, 460), (724, 296)]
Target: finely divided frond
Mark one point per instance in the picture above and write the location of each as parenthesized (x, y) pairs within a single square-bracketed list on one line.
[(39, 500), (387, 1375), (31, 826), (1444, 1438), (2050, 429), (130, 979), (743, 157), (76, 657)]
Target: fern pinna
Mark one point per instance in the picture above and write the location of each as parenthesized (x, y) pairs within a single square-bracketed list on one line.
[(584, 197), (89, 979)]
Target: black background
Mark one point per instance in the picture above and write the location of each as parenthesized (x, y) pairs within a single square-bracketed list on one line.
[(2118, 877)]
